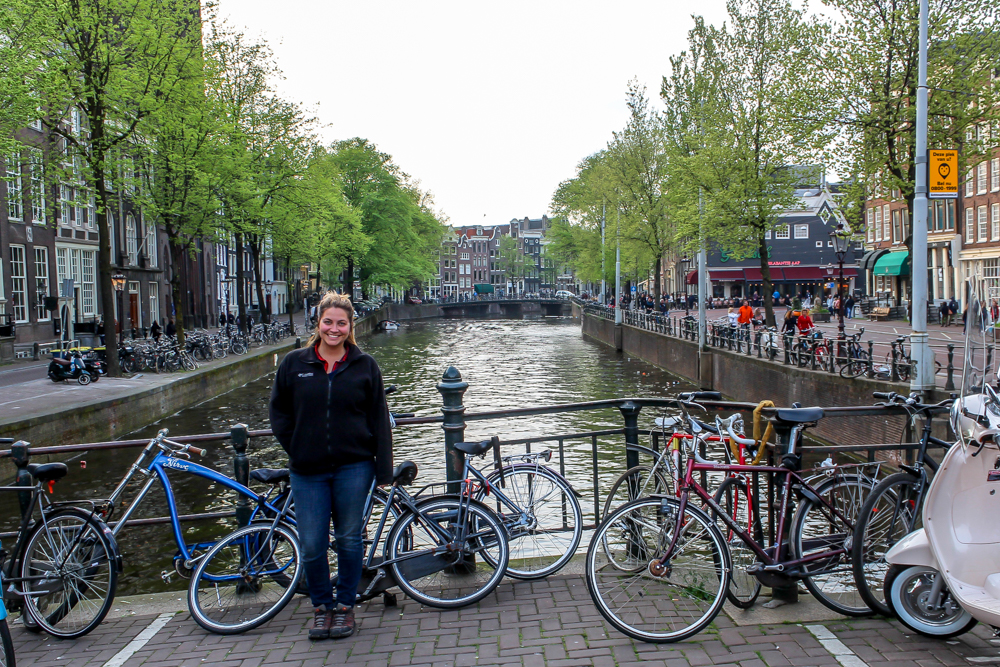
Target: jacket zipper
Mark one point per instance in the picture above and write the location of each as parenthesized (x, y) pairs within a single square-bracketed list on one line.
[(329, 391)]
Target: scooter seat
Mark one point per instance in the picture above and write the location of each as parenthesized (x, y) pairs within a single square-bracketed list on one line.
[(47, 472), (62, 362), (270, 475), (798, 415)]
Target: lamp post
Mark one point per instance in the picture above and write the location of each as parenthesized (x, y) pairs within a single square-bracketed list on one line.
[(841, 239), (118, 281)]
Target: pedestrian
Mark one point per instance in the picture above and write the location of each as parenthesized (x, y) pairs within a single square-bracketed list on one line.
[(335, 454), (230, 319), (745, 314), (791, 319), (945, 313), (776, 295), (734, 318), (155, 330), (171, 330), (849, 307), (99, 329)]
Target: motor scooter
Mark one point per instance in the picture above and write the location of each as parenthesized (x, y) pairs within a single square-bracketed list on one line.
[(945, 577), (73, 368)]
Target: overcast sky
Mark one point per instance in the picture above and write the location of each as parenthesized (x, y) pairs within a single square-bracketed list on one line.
[(488, 106)]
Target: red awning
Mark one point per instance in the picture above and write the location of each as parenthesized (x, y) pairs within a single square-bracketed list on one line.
[(754, 276), (692, 278), (806, 273), (727, 275)]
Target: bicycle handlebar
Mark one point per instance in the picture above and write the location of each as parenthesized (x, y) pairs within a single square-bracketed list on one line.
[(909, 401)]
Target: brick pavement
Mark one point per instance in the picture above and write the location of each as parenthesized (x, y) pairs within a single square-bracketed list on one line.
[(550, 623)]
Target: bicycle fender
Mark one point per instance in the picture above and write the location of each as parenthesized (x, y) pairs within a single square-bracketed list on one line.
[(113, 543), (914, 549)]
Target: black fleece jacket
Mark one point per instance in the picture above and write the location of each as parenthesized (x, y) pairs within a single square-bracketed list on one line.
[(326, 420)]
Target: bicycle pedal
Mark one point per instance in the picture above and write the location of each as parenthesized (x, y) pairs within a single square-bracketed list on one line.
[(165, 575)]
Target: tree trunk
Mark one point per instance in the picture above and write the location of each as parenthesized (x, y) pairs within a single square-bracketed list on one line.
[(178, 288), (241, 302), (765, 274), (659, 276), (349, 279), (290, 289), (265, 315)]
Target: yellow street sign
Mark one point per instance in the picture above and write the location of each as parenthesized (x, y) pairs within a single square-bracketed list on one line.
[(942, 174)]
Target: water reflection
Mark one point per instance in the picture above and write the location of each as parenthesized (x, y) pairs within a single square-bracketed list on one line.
[(507, 363)]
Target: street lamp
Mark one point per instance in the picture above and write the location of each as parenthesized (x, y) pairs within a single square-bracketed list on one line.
[(118, 282), (841, 239)]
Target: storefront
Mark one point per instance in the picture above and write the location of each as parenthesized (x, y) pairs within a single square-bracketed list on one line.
[(891, 275)]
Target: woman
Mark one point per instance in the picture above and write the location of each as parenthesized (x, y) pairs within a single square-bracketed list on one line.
[(329, 413)]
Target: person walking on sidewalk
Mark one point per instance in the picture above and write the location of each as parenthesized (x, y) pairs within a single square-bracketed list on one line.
[(328, 412)]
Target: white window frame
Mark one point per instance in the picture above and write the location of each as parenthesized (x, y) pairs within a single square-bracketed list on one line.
[(131, 240), (995, 222), (41, 283), (886, 223), (37, 176), (154, 303), (970, 221), (782, 232), (88, 281), (150, 242), (801, 231), (982, 219), (65, 204), (878, 223), (897, 227), (995, 174), (970, 182), (18, 284), (871, 225), (111, 236), (981, 179), (15, 207)]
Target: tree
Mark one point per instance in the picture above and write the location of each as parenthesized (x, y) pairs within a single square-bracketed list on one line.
[(115, 62), (511, 260), (871, 65), (745, 106), (19, 103)]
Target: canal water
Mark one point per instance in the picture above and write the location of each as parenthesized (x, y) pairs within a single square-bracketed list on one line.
[(507, 363)]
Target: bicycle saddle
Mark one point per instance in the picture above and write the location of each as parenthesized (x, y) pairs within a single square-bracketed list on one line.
[(798, 415), (404, 473), (477, 448), (270, 475), (47, 472)]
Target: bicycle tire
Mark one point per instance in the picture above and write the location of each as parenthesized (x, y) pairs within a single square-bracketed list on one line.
[(658, 609), (442, 580), (239, 348), (552, 513), (248, 567), (734, 497), (634, 484), (831, 580), (8, 645), (854, 368), (889, 513), (69, 537)]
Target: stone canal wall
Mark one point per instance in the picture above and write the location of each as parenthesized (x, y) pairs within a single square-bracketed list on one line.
[(746, 378), (109, 419)]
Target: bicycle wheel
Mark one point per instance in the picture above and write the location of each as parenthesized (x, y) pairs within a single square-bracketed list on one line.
[(70, 567), (658, 608), (448, 579), (854, 367), (734, 497), (636, 483), (239, 348), (245, 579), (889, 513), (7, 658), (545, 523), (817, 528)]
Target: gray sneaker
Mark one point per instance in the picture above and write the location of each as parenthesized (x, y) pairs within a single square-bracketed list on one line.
[(321, 624), (343, 622)]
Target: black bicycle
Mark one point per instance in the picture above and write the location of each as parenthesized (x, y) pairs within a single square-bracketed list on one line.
[(893, 509)]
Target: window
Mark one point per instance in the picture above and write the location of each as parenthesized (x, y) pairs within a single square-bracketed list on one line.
[(85, 212), (65, 201), (18, 283), (801, 231), (151, 244), (131, 240), (897, 230), (87, 276), (995, 174), (14, 211), (982, 222), (782, 232), (767, 235), (981, 178), (970, 233), (154, 303), (996, 221), (62, 268), (41, 282), (886, 224), (37, 187), (871, 225), (878, 223), (112, 236), (969, 184)]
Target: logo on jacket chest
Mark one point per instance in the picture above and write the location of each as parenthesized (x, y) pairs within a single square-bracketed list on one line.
[(305, 375)]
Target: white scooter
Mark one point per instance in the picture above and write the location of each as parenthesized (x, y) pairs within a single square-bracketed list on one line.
[(945, 577)]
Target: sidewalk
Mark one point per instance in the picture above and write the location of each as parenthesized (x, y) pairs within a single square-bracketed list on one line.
[(548, 623)]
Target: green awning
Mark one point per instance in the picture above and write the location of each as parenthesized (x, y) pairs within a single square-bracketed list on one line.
[(483, 288), (893, 264)]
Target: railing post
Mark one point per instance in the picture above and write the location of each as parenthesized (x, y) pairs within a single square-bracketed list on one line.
[(630, 413), (893, 371), (20, 456), (241, 468), (949, 385), (787, 340), (758, 336), (871, 359), (452, 390)]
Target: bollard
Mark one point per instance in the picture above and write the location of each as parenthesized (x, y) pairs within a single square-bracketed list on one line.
[(789, 592), (871, 359), (452, 389), (949, 385), (630, 413), (893, 371), (35, 351), (298, 342), (20, 455), (757, 336), (787, 339), (241, 470)]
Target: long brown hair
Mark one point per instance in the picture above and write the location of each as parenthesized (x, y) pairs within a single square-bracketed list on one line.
[(334, 300)]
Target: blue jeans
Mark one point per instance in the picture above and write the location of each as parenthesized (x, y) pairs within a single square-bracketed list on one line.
[(339, 495)]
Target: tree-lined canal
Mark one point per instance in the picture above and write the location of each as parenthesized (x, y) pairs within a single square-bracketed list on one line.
[(507, 363)]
